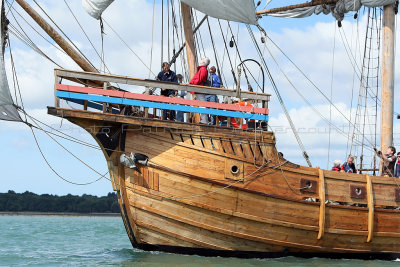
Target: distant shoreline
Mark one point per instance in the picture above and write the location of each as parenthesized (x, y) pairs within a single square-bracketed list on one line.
[(69, 214)]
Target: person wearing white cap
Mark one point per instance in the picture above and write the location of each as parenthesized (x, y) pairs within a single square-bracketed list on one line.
[(200, 78)]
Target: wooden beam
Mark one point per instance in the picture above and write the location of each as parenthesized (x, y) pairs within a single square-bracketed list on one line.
[(322, 203), (158, 84), (387, 95), (370, 199), (190, 47), (286, 8), (57, 37)]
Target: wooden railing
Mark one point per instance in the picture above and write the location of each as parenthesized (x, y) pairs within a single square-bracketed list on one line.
[(98, 93)]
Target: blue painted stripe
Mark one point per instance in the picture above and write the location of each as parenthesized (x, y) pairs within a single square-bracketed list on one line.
[(148, 104)]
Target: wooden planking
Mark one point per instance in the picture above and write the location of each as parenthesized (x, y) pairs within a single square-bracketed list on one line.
[(158, 84), (217, 145), (231, 226), (197, 141), (237, 149), (247, 151), (162, 99), (226, 144), (179, 189), (207, 143)]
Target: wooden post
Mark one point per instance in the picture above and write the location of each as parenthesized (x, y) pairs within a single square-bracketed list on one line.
[(321, 222), (190, 47), (56, 37), (57, 81), (387, 78), (370, 199)]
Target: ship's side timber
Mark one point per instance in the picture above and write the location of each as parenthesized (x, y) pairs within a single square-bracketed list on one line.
[(189, 197)]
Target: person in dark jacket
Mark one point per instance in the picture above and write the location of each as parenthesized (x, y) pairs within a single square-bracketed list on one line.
[(167, 75), (215, 82), (397, 169), (389, 160), (349, 166)]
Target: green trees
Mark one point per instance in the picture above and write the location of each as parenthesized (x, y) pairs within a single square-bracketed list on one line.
[(29, 201)]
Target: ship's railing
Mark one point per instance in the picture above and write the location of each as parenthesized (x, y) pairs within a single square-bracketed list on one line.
[(99, 94)]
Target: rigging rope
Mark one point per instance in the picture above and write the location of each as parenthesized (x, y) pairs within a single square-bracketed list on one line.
[(152, 38), (279, 97), (66, 36), (312, 83), (330, 106), (87, 37), (133, 52), (227, 52)]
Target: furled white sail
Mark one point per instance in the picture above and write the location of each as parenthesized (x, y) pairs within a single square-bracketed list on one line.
[(234, 10), (7, 110), (96, 7), (338, 10)]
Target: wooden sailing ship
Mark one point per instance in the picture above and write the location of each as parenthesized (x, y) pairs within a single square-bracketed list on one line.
[(223, 191)]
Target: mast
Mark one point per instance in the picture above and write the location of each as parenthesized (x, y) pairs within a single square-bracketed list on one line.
[(190, 48), (387, 96), (57, 37)]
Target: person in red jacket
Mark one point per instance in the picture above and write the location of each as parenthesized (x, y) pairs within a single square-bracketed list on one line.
[(200, 78)]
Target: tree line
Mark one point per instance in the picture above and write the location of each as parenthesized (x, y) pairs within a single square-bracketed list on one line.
[(29, 201)]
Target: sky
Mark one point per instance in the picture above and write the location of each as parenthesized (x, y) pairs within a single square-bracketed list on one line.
[(328, 56)]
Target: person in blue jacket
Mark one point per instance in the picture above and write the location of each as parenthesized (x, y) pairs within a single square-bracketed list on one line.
[(397, 169), (167, 75), (215, 82)]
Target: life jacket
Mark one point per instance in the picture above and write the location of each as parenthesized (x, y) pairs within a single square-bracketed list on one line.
[(235, 122), (336, 169)]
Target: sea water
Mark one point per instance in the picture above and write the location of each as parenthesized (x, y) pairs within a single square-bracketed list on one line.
[(102, 241)]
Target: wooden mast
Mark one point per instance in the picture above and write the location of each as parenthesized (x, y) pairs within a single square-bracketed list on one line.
[(190, 47), (387, 78), (57, 37)]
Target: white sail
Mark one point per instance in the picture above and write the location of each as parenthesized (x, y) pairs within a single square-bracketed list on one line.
[(7, 110), (234, 10), (338, 10), (96, 7)]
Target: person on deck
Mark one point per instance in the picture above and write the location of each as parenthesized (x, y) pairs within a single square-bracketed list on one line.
[(167, 75), (215, 82), (389, 160), (336, 166), (349, 166), (200, 78), (397, 169), (181, 94)]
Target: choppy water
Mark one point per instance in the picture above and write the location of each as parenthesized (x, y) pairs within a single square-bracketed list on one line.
[(101, 241)]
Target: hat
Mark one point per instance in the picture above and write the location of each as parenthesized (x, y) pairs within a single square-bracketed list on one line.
[(205, 61)]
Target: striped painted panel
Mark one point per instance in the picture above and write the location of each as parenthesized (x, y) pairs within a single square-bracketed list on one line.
[(162, 99), (157, 105)]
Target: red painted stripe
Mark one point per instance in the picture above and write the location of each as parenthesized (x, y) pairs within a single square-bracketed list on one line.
[(163, 99)]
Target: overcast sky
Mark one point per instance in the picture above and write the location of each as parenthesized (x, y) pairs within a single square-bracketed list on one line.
[(326, 54)]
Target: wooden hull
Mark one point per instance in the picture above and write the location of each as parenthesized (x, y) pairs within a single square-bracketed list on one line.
[(226, 192)]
